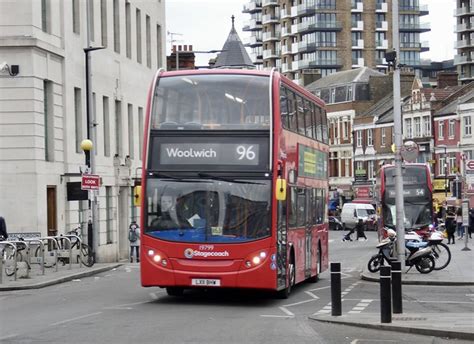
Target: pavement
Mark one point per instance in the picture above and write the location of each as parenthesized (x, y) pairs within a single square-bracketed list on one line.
[(460, 272)]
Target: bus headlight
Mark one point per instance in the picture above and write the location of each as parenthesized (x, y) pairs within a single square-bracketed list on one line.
[(255, 259), (157, 257)]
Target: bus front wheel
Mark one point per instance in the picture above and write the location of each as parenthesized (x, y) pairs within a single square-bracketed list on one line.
[(285, 293)]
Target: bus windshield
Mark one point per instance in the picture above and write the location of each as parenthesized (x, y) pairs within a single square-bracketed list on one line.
[(206, 102), (208, 210), (417, 208)]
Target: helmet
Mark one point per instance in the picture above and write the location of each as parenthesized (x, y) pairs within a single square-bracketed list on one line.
[(391, 233)]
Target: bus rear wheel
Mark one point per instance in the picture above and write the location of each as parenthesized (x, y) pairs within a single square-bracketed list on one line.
[(174, 291)]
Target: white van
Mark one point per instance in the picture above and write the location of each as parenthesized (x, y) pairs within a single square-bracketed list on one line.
[(352, 212)]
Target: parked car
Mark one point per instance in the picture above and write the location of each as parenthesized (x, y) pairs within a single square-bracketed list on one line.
[(353, 212), (335, 224)]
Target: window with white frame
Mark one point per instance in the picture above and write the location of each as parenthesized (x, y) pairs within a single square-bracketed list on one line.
[(383, 137), (441, 129), (345, 128), (346, 166), (359, 165), (441, 167), (408, 129), (370, 138), (359, 138), (467, 126), (370, 169), (452, 165), (417, 126), (451, 128), (426, 126)]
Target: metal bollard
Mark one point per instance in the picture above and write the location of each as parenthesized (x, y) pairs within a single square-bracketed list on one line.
[(385, 294), (397, 288), (336, 305)]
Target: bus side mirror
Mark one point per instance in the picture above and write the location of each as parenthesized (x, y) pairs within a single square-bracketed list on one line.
[(137, 196), (280, 189)]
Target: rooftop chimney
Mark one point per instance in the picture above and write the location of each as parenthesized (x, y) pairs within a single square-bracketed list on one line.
[(446, 79)]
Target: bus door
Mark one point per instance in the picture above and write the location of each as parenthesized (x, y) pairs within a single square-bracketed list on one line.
[(282, 242), (308, 232)]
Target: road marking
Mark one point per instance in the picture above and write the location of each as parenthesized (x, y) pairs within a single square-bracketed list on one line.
[(276, 316), (284, 310), (73, 319), (453, 302), (9, 336), (357, 341), (300, 303), (312, 295), (362, 305), (320, 288)]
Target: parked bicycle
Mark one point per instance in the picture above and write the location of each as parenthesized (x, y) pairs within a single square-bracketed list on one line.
[(86, 255), (434, 239)]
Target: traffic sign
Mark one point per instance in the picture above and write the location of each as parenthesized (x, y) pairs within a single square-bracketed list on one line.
[(90, 182), (470, 165)]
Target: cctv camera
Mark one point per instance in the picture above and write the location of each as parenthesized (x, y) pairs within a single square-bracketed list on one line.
[(3, 66)]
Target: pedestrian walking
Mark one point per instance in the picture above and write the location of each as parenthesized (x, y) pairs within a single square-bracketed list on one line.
[(459, 226), (450, 226), (347, 236), (3, 229), (471, 223), (360, 229), (134, 238)]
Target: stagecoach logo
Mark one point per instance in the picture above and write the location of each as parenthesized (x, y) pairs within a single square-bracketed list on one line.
[(190, 253)]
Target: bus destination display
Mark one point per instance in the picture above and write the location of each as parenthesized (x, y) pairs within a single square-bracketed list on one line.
[(209, 154)]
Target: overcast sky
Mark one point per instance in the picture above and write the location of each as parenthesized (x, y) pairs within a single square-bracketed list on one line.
[(205, 24)]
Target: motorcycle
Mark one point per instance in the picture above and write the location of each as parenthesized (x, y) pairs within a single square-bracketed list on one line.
[(416, 255)]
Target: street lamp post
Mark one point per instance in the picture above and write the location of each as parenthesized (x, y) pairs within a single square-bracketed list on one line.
[(87, 146), (91, 136)]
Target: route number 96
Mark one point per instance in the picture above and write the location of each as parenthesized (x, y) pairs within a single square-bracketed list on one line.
[(246, 152)]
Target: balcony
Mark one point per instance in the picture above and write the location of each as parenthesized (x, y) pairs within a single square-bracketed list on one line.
[(465, 43), (415, 27), (318, 63), (285, 31), (285, 50), (463, 11), (357, 44), (462, 59), (294, 48), (464, 27), (271, 54), (357, 62), (269, 2), (381, 62), (381, 26), (294, 11), (382, 44), (270, 18), (357, 26), (284, 14), (252, 7), (271, 36), (357, 7), (319, 26), (285, 67), (381, 8), (252, 25), (252, 41)]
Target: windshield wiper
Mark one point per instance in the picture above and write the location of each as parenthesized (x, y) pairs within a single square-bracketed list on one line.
[(225, 179)]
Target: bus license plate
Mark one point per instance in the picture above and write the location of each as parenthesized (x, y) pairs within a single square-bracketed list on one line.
[(206, 282)]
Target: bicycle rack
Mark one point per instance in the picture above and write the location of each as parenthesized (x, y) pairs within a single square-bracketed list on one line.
[(37, 260), (63, 253), (80, 246), (55, 252), (13, 244)]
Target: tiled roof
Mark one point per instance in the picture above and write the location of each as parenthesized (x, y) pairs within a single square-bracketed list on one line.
[(234, 54), (451, 107), (345, 77)]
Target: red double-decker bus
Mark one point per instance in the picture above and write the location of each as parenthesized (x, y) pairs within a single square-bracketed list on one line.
[(417, 196), (234, 183)]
